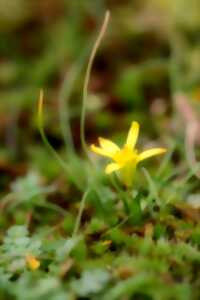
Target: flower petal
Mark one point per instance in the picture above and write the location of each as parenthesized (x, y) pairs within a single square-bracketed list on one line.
[(111, 168), (151, 152), (133, 135), (100, 151), (32, 262), (108, 146)]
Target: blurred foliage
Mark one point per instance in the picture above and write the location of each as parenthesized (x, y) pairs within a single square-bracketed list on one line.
[(142, 244)]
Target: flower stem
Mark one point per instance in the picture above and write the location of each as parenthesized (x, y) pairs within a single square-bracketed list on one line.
[(87, 77)]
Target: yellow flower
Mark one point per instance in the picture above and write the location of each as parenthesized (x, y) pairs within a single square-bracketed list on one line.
[(126, 158), (32, 262)]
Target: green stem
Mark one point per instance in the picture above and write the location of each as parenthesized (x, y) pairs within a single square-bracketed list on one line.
[(64, 97), (80, 213), (122, 195), (48, 145), (86, 81), (54, 207)]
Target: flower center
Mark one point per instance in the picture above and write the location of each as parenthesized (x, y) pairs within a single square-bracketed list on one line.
[(125, 155)]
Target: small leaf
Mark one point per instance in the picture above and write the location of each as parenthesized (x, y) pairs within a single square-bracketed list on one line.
[(91, 282)]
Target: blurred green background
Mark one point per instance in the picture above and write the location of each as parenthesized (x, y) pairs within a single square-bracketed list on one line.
[(150, 51), (146, 69)]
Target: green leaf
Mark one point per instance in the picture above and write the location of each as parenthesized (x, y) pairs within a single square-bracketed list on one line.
[(91, 282)]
